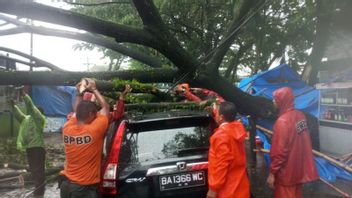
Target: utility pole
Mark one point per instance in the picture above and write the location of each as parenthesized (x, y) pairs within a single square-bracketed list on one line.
[(88, 64), (30, 22)]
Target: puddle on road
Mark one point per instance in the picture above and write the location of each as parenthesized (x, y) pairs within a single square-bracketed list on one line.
[(51, 191)]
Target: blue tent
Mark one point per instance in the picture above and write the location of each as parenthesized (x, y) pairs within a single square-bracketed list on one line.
[(56, 101), (306, 99), (264, 83)]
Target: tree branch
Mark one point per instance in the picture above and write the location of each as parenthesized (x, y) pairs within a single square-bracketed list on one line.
[(149, 14), (236, 59), (164, 42), (71, 78), (86, 37), (230, 36), (247, 104), (324, 16), (38, 62), (97, 4), (18, 61), (49, 14)]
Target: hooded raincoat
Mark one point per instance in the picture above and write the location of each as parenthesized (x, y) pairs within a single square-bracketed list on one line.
[(32, 125), (291, 154), (227, 174)]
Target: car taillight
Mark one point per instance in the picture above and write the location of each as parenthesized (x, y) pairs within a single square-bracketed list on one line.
[(110, 174), (110, 171), (199, 166)]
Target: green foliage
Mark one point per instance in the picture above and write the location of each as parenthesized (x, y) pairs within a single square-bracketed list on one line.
[(143, 93), (135, 85), (283, 28), (141, 98)]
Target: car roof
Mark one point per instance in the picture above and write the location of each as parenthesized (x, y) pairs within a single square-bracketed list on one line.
[(169, 120), (167, 115)]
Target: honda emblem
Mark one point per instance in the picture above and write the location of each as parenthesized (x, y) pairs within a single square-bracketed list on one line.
[(181, 165)]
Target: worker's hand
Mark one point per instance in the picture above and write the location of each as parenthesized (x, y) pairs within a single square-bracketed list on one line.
[(81, 86), (211, 194), (209, 109), (78, 85), (127, 90), (195, 90), (270, 181), (91, 85)]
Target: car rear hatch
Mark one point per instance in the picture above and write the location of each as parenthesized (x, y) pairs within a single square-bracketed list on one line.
[(162, 157)]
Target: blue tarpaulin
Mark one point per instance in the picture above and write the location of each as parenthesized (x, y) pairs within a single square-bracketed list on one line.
[(307, 100), (264, 83), (56, 101)]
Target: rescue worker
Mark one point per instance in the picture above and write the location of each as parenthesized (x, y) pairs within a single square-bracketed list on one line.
[(30, 139), (227, 174), (292, 162), (83, 136), (118, 109), (197, 94)]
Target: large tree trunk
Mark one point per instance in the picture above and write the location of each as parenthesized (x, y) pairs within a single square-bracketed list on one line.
[(321, 39), (259, 107), (155, 35), (71, 78)]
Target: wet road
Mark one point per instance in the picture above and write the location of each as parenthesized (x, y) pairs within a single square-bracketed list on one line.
[(257, 175), (316, 189), (51, 191)]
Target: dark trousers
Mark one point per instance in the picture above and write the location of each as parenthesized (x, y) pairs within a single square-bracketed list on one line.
[(36, 161), (73, 190)]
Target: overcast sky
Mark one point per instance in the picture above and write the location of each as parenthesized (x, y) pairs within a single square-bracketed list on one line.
[(58, 51)]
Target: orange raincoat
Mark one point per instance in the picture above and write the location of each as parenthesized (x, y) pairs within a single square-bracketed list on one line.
[(227, 174)]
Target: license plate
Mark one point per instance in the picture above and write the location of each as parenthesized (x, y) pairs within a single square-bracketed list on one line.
[(182, 180)]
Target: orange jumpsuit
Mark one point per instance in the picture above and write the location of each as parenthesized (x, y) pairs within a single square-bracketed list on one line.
[(227, 174)]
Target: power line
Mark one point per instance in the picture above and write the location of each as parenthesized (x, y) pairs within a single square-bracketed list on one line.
[(243, 22)]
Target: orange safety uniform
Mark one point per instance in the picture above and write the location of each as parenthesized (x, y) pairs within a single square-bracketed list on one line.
[(227, 173), (118, 111), (83, 148)]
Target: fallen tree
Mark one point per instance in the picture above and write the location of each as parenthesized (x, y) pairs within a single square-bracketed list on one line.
[(86, 37), (154, 34), (72, 78)]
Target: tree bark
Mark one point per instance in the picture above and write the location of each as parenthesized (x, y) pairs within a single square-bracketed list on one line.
[(259, 107), (236, 60), (71, 78), (310, 71), (164, 42), (229, 37)]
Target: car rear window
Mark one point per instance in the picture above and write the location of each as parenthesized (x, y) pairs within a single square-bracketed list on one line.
[(151, 145)]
